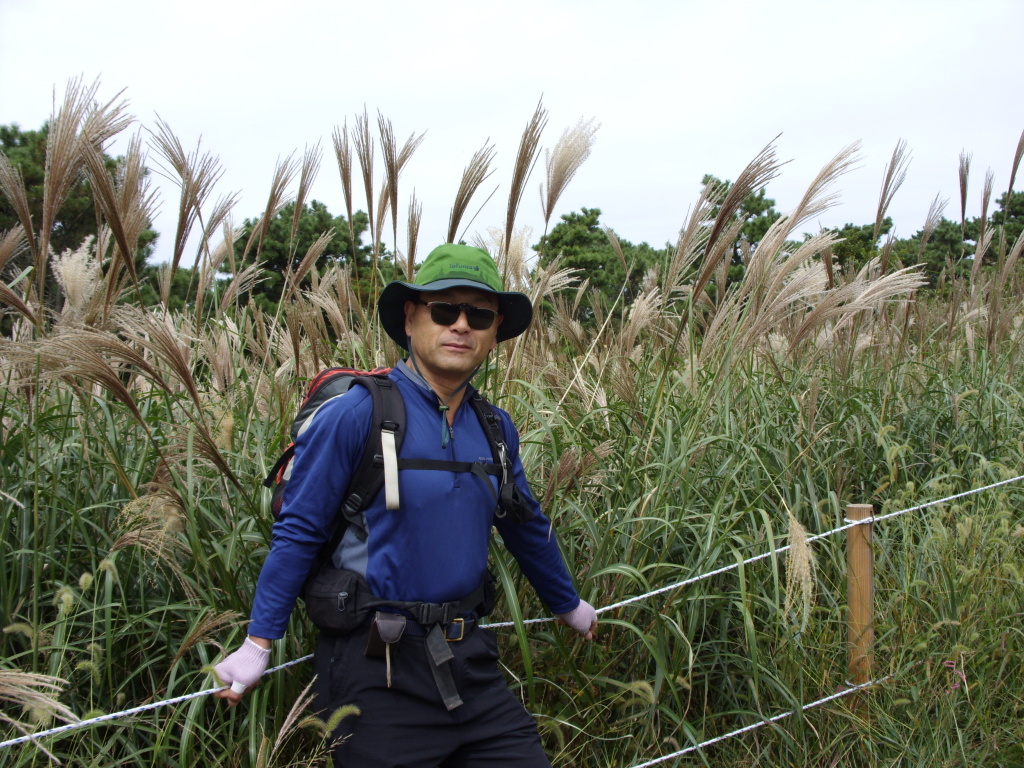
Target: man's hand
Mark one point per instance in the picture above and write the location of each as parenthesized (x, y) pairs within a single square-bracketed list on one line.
[(582, 618), (243, 669)]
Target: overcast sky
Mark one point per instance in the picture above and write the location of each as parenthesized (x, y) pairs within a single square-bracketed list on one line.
[(679, 88)]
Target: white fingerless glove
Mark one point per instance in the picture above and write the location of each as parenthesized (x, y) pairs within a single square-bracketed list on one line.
[(582, 618), (244, 667)]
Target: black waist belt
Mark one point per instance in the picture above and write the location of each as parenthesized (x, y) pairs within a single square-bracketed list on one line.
[(440, 623), (429, 614), (456, 630)]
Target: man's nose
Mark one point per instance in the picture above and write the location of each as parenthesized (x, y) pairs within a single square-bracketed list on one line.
[(461, 323)]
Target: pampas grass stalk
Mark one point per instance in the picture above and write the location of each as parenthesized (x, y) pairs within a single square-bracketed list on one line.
[(80, 122), (310, 167), (526, 159), (932, 221), (364, 153), (196, 174), (394, 162), (343, 155), (12, 186), (561, 163), (964, 175), (413, 232), (895, 175), (473, 175)]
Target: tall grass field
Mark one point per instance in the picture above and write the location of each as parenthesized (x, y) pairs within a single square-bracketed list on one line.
[(695, 425)]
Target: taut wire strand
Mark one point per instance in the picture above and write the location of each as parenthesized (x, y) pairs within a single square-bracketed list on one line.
[(603, 609)]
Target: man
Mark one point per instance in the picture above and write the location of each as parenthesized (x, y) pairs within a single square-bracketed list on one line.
[(434, 696)]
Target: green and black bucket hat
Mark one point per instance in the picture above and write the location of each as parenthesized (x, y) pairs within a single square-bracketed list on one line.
[(454, 266)]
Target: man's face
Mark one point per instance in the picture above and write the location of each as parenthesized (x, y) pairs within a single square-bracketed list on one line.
[(451, 351)]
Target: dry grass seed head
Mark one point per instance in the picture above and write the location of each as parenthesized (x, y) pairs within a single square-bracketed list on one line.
[(12, 187), (412, 226), (364, 152), (210, 626), (644, 311), (343, 154), (932, 221), (196, 174), (512, 260), (895, 175), (309, 169), (313, 254), (128, 204), (394, 162), (561, 164), (78, 273), (152, 523), (964, 173), (80, 124), (38, 695), (818, 198), (242, 283), (565, 327), (526, 159), (284, 172), (800, 568), (692, 241), (761, 170), (12, 244), (473, 175)]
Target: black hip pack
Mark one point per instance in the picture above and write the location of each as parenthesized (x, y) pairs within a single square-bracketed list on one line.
[(339, 601)]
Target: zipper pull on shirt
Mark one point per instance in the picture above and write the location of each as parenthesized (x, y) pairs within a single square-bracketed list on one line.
[(446, 431)]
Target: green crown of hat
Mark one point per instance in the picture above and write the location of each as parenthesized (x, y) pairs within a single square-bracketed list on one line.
[(454, 266)]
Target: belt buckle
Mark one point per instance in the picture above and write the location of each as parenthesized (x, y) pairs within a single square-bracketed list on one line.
[(462, 630)]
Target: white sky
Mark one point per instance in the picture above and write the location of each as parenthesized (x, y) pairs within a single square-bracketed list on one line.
[(680, 89)]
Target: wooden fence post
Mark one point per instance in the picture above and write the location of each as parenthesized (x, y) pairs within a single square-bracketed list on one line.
[(861, 594)]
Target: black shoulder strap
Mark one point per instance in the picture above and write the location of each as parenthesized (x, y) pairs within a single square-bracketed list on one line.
[(492, 428), (511, 502), (388, 416), (368, 477)]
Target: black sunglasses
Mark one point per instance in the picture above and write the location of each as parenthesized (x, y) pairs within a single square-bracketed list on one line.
[(445, 313)]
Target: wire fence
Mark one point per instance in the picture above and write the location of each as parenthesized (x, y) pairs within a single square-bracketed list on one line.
[(604, 609)]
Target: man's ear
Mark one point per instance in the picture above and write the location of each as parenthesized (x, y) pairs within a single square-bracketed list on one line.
[(497, 325), (410, 308)]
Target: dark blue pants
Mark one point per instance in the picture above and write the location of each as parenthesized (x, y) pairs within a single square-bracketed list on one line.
[(407, 725)]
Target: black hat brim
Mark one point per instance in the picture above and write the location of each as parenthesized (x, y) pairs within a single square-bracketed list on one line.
[(515, 307)]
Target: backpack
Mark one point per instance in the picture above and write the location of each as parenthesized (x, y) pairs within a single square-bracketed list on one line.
[(379, 464)]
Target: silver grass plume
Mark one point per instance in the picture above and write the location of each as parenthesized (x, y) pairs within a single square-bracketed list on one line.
[(364, 152), (964, 175), (284, 172), (818, 198), (394, 161), (343, 154), (195, 174), (473, 175), (79, 274), (800, 567), (12, 244), (932, 221), (526, 159), (36, 693), (128, 204), (895, 175), (985, 233), (311, 158), (80, 122), (313, 253), (413, 233), (561, 163), (1017, 155)]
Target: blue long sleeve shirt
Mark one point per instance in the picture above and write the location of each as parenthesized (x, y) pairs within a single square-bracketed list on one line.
[(434, 548)]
